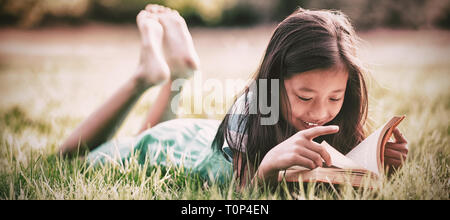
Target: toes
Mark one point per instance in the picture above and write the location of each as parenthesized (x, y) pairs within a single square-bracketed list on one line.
[(153, 8), (171, 18), (143, 16)]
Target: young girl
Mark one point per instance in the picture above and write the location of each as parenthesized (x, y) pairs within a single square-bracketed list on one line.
[(322, 96)]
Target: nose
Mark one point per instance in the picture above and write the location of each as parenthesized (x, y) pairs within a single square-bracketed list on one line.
[(318, 112)]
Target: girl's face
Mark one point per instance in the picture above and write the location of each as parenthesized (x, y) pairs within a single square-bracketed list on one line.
[(315, 96)]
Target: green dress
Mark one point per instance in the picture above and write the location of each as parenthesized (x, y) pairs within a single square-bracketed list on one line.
[(179, 142)]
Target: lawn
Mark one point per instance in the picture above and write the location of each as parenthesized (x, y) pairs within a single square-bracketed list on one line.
[(52, 78)]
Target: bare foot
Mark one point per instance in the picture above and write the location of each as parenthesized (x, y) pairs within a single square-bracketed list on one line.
[(152, 68), (178, 47)]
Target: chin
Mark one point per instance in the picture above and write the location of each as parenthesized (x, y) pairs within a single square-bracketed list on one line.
[(298, 126)]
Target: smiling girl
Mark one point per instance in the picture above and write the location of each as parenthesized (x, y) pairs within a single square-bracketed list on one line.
[(322, 95)]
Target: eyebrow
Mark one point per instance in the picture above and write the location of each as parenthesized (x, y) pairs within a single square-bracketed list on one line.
[(306, 89)]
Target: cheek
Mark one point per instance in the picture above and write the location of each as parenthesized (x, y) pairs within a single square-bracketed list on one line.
[(295, 109), (336, 109), (297, 112)]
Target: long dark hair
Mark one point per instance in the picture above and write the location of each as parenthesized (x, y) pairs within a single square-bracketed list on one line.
[(305, 40)]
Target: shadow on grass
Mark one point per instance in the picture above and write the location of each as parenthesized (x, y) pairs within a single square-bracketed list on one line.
[(16, 119)]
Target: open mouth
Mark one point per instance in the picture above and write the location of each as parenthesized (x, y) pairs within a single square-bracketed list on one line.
[(309, 124)]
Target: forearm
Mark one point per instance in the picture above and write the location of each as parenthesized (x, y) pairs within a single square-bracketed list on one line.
[(102, 124)]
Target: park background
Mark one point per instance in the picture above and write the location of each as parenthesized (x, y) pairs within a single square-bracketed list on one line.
[(60, 60)]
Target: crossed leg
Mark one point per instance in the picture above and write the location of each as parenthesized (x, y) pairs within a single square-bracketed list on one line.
[(167, 53)]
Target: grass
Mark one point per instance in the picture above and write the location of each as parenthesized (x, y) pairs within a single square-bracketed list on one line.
[(46, 95)]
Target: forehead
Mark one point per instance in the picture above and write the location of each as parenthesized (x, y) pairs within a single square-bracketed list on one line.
[(319, 80)]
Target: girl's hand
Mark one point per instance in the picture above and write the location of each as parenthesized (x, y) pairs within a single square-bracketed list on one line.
[(299, 150), (395, 152)]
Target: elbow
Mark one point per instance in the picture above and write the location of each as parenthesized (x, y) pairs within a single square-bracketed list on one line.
[(69, 148), (64, 150)]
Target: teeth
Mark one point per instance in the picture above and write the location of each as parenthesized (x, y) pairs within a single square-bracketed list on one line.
[(311, 124)]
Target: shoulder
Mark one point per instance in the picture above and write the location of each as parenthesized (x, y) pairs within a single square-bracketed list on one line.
[(237, 123), (239, 112)]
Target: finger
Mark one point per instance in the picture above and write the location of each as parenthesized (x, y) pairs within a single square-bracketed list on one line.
[(393, 162), (398, 147), (311, 155), (393, 153), (303, 161), (314, 132), (319, 149), (399, 136)]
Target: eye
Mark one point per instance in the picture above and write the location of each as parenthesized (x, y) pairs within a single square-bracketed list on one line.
[(304, 99), (335, 99)]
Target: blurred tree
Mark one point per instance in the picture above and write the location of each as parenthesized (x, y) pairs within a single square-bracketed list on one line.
[(243, 13), (118, 11), (405, 13), (365, 14), (443, 20), (286, 7), (28, 13), (438, 13), (208, 12), (203, 12)]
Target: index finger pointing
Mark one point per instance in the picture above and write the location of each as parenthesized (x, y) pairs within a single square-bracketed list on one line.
[(314, 132)]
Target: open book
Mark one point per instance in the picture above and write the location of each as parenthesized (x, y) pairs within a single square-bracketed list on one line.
[(365, 160)]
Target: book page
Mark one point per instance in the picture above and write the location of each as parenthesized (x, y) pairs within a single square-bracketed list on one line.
[(369, 152), (366, 153), (339, 160)]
